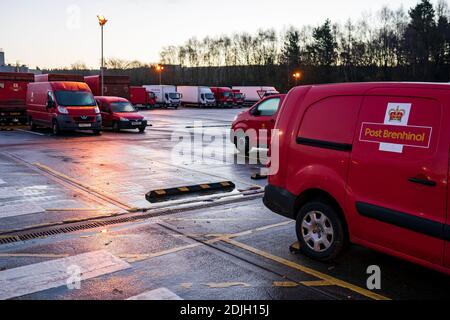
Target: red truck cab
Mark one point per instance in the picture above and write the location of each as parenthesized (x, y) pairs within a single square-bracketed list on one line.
[(118, 113), (366, 163), (13, 94), (223, 96), (238, 98), (139, 96), (62, 106), (246, 130)]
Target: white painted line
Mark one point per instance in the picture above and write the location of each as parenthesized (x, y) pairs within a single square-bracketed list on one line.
[(19, 209), (158, 295), (32, 132), (42, 276)]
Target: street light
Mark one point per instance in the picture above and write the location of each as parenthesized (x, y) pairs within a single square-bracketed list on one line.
[(160, 70), (102, 22), (297, 77)]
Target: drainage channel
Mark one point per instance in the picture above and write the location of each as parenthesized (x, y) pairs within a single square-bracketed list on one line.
[(94, 223)]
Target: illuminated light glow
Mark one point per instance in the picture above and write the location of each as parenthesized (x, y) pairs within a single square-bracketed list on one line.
[(102, 20)]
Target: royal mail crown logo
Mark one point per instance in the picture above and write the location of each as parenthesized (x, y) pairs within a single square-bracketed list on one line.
[(396, 115)]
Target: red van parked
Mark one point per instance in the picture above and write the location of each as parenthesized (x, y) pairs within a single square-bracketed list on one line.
[(238, 98), (246, 128), (368, 164), (118, 113), (62, 106)]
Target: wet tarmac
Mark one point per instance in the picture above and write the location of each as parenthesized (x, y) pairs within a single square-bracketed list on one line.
[(217, 246)]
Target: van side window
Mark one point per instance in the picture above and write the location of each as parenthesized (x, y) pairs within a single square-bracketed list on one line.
[(269, 107), (333, 119)]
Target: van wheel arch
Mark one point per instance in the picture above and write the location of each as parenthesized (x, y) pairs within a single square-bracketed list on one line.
[(318, 195)]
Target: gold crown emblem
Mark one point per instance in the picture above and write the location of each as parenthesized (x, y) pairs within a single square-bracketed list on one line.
[(396, 114)]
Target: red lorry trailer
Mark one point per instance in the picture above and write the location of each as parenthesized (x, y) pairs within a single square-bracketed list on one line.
[(57, 77), (13, 94), (114, 86), (223, 96), (139, 96)]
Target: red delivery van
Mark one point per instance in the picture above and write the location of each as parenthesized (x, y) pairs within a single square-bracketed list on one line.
[(114, 86), (139, 96), (51, 77), (368, 164), (63, 106), (223, 96), (118, 113), (13, 94), (246, 128)]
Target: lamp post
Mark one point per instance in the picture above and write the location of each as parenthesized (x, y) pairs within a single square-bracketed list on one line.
[(297, 77), (160, 69), (102, 22)]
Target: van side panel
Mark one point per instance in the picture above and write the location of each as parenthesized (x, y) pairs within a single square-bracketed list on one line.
[(398, 177), (37, 102), (323, 145)]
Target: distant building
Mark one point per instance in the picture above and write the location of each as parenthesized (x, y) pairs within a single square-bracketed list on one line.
[(10, 68)]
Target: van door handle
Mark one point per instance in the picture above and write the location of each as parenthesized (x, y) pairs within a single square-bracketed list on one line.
[(425, 182)]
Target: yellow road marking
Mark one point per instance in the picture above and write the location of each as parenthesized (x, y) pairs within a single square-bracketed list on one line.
[(225, 184), (82, 185), (204, 186), (320, 283), (76, 209), (184, 189), (285, 284), (160, 192), (307, 270)]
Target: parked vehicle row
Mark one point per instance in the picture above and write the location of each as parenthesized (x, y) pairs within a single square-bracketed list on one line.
[(361, 163), (13, 91)]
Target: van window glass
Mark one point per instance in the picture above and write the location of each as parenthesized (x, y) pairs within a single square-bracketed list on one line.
[(209, 96), (333, 119), (174, 95), (269, 107), (122, 107), (75, 99)]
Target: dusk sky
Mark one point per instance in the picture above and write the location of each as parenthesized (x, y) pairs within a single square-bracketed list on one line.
[(50, 33)]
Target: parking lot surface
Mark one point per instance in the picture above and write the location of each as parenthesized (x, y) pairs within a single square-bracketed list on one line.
[(79, 200)]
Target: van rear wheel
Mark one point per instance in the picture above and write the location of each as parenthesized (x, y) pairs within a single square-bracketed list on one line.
[(55, 128), (242, 143), (320, 231), (33, 126)]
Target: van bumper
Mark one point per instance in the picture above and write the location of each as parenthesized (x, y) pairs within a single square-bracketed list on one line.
[(66, 122), (280, 201)]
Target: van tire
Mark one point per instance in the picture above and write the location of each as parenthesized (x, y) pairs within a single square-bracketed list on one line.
[(97, 132), (55, 128), (33, 126), (142, 130), (115, 127), (243, 146), (311, 241)]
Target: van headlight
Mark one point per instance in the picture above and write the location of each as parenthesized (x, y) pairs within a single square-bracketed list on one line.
[(63, 110), (97, 110), (124, 119)]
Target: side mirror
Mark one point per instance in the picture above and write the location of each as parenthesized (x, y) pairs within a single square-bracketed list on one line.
[(255, 112), (50, 104)]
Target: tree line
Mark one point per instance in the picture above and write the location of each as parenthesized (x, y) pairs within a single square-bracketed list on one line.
[(391, 45)]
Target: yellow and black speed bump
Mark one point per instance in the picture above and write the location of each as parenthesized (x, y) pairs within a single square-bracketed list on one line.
[(200, 189)]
